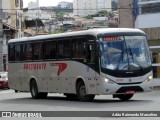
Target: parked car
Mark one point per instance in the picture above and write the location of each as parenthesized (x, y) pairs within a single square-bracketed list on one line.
[(3, 80)]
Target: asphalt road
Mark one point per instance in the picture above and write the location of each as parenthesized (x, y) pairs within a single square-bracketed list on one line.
[(11, 101)]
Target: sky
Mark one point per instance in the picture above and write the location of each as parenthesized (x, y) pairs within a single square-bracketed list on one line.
[(45, 2)]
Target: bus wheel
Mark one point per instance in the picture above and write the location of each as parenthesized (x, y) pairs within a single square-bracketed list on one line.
[(81, 93), (34, 90), (125, 97)]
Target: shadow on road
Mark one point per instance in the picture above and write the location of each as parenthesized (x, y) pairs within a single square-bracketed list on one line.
[(62, 99)]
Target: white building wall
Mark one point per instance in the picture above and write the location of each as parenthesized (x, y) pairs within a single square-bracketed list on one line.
[(75, 6), (6, 5), (86, 7), (63, 4), (104, 4), (148, 21), (32, 5)]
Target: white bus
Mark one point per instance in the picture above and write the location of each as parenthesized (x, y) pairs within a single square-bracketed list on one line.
[(82, 64)]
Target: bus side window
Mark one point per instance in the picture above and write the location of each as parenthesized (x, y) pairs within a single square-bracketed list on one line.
[(11, 53), (78, 48), (50, 50), (17, 52), (90, 53), (64, 49), (38, 51), (27, 53)]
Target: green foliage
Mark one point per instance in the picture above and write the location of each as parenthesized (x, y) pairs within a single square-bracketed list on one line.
[(102, 13), (60, 16)]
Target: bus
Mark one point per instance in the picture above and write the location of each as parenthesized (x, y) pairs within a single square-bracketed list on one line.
[(82, 64)]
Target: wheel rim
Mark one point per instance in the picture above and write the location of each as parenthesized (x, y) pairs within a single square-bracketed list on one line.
[(82, 91)]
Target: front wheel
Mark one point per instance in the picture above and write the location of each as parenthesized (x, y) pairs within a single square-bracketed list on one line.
[(34, 91), (82, 93), (125, 97)]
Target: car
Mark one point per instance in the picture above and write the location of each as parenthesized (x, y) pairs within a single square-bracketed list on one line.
[(3, 80)]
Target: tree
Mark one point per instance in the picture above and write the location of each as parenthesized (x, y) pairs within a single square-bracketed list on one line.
[(60, 16), (102, 13)]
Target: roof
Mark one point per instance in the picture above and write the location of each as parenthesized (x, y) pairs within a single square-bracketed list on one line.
[(6, 26), (78, 33), (33, 23)]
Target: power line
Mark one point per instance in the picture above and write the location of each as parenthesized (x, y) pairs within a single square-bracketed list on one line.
[(72, 9), (84, 9)]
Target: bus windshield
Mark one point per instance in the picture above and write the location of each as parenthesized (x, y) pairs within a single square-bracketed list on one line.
[(125, 53)]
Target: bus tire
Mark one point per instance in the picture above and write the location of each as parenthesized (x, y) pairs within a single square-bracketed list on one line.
[(81, 93), (34, 91), (125, 97)]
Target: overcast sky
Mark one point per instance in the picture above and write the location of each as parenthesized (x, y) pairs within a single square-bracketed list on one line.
[(45, 2)]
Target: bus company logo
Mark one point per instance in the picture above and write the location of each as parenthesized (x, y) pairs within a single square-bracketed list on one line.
[(61, 67)]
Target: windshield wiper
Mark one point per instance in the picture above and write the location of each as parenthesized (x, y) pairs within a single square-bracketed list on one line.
[(130, 53), (133, 58)]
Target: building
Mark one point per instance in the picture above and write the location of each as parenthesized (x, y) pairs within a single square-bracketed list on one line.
[(126, 18), (65, 5), (86, 7), (11, 24), (147, 17), (104, 4), (147, 14), (144, 15), (35, 18), (148, 10), (14, 9)]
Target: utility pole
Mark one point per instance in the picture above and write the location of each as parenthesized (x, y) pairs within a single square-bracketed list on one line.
[(1, 37)]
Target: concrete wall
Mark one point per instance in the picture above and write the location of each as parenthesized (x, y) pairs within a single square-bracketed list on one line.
[(126, 14)]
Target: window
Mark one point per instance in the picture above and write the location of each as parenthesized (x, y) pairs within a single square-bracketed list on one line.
[(17, 52), (17, 23), (21, 4), (38, 51), (16, 3), (11, 52), (50, 50), (78, 48), (27, 51), (150, 8), (90, 52), (64, 49)]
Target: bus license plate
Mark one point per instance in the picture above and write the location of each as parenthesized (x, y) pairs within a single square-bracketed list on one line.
[(130, 92)]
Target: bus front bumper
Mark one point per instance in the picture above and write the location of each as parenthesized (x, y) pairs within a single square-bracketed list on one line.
[(114, 88)]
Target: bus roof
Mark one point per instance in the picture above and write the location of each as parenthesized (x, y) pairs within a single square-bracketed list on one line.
[(94, 32)]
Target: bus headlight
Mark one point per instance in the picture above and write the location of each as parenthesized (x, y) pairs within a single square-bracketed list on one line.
[(109, 81), (149, 78)]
